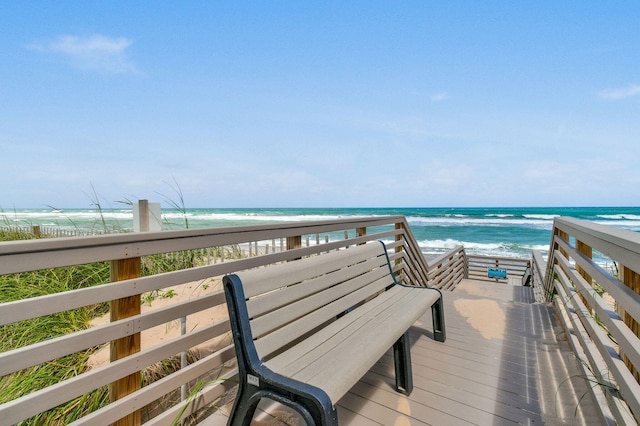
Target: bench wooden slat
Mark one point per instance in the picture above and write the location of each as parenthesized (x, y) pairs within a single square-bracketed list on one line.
[(290, 362), (294, 330), (259, 305), (326, 354), (295, 310), (304, 315), (267, 279), (348, 361)]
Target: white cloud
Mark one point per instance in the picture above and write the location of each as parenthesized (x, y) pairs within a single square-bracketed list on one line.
[(439, 97), (93, 53), (625, 92)]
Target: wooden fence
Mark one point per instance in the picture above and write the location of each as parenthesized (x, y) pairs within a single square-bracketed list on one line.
[(50, 231), (128, 356), (599, 310)]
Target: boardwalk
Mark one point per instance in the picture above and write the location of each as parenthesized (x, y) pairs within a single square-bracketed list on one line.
[(505, 361)]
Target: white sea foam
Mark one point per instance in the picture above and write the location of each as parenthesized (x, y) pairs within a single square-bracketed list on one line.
[(434, 247), (619, 216), (73, 219), (62, 214), (449, 244), (539, 216), (254, 217), (466, 221), (632, 225)]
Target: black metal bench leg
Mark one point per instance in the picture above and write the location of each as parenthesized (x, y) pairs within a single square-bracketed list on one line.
[(437, 312), (402, 359), (244, 407), (313, 412)]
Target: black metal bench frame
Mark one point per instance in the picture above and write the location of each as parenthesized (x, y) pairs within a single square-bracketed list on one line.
[(258, 381)]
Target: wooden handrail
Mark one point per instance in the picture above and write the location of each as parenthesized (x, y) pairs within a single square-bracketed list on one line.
[(538, 269), (605, 328)]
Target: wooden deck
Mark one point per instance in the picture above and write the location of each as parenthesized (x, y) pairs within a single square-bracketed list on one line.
[(505, 361)]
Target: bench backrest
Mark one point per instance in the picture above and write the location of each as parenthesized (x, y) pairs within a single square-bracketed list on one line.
[(288, 301)]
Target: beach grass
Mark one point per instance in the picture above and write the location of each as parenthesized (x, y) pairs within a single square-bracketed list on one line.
[(14, 235), (23, 333), (39, 283), (49, 281)]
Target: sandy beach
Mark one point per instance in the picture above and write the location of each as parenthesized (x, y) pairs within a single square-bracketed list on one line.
[(171, 330)]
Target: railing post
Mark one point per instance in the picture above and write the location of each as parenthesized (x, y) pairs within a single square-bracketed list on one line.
[(631, 279), (465, 258), (564, 236), (587, 251), (399, 236), (124, 269), (294, 242), (143, 214), (361, 232), (400, 275), (551, 262)]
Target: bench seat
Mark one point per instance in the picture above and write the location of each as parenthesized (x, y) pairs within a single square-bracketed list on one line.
[(349, 347), (307, 330)]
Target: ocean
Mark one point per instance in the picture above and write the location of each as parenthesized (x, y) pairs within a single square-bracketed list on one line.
[(510, 232)]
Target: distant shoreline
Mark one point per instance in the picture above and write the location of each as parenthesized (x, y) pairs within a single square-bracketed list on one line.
[(509, 232)]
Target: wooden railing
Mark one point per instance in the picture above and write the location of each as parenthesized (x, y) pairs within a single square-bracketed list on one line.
[(600, 310), (538, 271), (477, 266), (125, 253), (447, 270)]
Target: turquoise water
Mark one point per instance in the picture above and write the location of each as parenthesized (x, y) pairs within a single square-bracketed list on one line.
[(510, 232)]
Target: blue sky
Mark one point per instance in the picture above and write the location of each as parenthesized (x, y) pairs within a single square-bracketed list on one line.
[(320, 104)]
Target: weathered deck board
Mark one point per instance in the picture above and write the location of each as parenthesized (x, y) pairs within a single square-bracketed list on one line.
[(505, 361)]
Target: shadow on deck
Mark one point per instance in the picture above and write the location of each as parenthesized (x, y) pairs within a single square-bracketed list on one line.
[(505, 361)]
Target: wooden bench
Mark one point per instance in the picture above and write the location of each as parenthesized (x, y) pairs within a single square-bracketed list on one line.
[(306, 331)]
